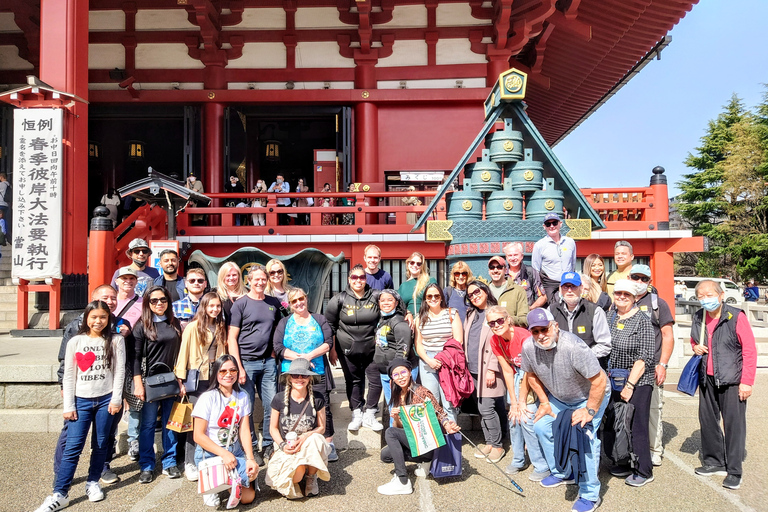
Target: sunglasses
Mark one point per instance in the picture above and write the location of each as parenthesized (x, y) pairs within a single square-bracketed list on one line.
[(536, 331), (275, 272), (400, 375), (432, 296), (230, 371), (159, 300), (551, 223), (623, 295), (465, 274), (298, 299), (495, 267), (496, 323), (196, 281), (415, 263), (299, 377), (475, 293), (356, 277), (141, 251), (640, 277)]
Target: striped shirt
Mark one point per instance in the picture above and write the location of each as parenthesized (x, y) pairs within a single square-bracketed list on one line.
[(437, 330)]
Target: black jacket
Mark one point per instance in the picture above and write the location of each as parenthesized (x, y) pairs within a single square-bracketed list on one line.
[(354, 320), (583, 317), (398, 336), (727, 357)]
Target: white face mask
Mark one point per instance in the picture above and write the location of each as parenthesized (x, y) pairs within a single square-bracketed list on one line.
[(640, 288), (192, 179), (547, 342)]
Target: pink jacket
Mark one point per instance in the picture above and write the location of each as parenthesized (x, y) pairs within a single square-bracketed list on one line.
[(455, 379)]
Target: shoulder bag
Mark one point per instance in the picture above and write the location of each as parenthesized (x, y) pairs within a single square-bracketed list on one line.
[(161, 385), (689, 379)]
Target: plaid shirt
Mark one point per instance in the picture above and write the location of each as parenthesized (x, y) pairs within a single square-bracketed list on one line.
[(185, 309), (633, 339)]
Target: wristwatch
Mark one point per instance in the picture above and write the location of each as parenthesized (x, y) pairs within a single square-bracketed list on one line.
[(591, 412), (663, 365)]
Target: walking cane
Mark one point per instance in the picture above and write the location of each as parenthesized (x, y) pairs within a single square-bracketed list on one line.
[(496, 465)]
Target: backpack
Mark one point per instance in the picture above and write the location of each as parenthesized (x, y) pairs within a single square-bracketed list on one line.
[(8, 193), (618, 433)]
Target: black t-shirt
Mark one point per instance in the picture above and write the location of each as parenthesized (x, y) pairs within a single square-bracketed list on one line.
[(170, 285), (256, 320), (163, 349), (659, 319), (307, 422)]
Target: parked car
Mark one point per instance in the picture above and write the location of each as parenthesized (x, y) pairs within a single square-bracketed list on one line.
[(733, 292)]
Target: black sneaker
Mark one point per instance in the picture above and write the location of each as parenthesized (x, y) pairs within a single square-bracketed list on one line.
[(268, 451), (146, 477), (732, 482), (710, 470), (172, 472)]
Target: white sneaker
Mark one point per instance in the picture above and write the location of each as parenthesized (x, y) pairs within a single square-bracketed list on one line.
[(190, 471), (394, 487), (422, 469), (357, 421), (370, 421), (211, 500), (93, 490), (54, 502), (310, 483)]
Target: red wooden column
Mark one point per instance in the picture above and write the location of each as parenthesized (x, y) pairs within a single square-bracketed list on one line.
[(64, 66), (213, 143), (367, 142)]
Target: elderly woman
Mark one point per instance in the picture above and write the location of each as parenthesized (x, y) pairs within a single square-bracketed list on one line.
[(633, 345), (297, 426), (308, 335), (457, 288), (485, 370), (230, 287), (507, 345), (397, 451), (277, 283)]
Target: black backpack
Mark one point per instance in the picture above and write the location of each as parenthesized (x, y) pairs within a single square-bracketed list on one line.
[(617, 433), (8, 194)]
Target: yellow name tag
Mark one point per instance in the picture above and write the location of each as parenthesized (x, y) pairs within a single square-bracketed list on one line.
[(620, 327), (643, 308), (581, 329)]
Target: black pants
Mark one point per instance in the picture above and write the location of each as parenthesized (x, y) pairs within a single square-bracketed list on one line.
[(356, 368), (641, 399), (716, 449), (282, 218), (398, 451), (188, 454), (488, 408), (551, 287)]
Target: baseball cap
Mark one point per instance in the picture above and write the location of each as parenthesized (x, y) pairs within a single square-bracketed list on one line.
[(570, 278), (552, 216), (539, 317), (137, 243), (126, 271), (499, 260), (641, 269)]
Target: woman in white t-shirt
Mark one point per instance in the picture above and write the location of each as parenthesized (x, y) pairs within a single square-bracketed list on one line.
[(214, 413)]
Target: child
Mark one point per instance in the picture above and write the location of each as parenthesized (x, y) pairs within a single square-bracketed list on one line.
[(94, 371)]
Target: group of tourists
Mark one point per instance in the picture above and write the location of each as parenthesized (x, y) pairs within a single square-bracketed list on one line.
[(550, 355)]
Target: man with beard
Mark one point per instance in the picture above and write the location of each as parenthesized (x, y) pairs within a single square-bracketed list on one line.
[(170, 280), (139, 252), (185, 308), (582, 317)]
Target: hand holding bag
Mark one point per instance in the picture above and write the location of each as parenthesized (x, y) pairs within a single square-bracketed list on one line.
[(689, 379), (618, 378), (160, 386), (180, 419)]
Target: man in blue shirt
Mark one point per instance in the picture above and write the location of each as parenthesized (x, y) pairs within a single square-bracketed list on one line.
[(553, 255), (279, 186), (377, 278)]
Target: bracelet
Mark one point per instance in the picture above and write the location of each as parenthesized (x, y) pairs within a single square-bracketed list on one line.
[(630, 385), (249, 458), (664, 365), (282, 445)]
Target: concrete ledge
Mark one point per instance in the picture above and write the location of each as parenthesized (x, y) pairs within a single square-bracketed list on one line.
[(30, 420), (30, 396), (41, 373)]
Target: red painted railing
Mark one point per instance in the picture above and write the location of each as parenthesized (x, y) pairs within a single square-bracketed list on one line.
[(629, 208)]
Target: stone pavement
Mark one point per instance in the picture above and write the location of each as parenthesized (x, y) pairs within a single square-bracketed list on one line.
[(26, 478)]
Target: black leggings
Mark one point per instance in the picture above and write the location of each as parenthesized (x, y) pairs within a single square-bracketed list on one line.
[(641, 399), (356, 368), (398, 451)]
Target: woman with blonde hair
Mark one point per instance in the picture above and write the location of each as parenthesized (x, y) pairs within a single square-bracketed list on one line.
[(230, 287), (277, 283), (595, 289), (417, 280), (457, 288)]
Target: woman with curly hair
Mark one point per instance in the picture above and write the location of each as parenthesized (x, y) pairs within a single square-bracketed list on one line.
[(454, 293)]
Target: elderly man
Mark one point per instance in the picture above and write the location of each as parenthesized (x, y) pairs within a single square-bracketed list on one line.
[(553, 255), (185, 308), (525, 276), (662, 320), (582, 317), (567, 378), (170, 279), (622, 256), (139, 252), (128, 301), (727, 374)]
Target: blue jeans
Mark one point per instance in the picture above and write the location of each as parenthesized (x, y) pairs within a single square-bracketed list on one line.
[(261, 377), (147, 435), (431, 381), (522, 434), (89, 411), (589, 489), (237, 451), (134, 424)]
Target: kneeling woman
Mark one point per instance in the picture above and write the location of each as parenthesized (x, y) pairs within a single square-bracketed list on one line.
[(214, 413), (297, 426), (406, 392)]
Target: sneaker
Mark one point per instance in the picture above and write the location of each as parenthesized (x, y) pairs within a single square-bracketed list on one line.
[(357, 421), (553, 481), (584, 505), (268, 451), (656, 460), (172, 472), (108, 476), (310, 484), (732, 482), (710, 470), (370, 421), (333, 456), (538, 476), (422, 469), (394, 487), (54, 502), (638, 481), (190, 471), (482, 450), (620, 471), (211, 500), (133, 451), (513, 470), (94, 492), (496, 454), (146, 477)]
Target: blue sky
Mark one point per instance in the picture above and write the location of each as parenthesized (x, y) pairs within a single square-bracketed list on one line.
[(719, 48)]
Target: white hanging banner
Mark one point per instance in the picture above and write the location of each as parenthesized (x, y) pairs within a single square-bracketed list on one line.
[(37, 207)]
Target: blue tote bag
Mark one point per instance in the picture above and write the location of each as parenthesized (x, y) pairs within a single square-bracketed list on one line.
[(689, 379), (447, 459)]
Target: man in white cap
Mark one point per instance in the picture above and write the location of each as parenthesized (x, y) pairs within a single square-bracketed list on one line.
[(139, 252), (566, 377), (128, 301), (553, 255), (661, 317)]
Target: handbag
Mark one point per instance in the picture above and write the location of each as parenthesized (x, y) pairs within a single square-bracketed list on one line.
[(447, 459), (213, 476), (160, 386), (180, 419), (689, 379), (618, 378), (193, 376)]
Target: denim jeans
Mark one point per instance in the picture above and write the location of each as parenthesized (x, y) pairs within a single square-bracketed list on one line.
[(61, 444), (147, 435), (590, 488), (134, 425), (431, 381), (522, 435), (89, 411), (261, 377)]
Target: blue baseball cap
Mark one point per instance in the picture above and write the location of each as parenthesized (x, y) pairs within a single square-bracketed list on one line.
[(552, 216), (570, 278), (641, 269)]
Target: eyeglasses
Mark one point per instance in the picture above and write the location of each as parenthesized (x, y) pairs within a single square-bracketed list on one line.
[(415, 263), (465, 274), (433, 296), (496, 323), (551, 223), (196, 281), (475, 293), (495, 267), (640, 277), (356, 277), (275, 272), (158, 300), (141, 251), (400, 375), (230, 371), (298, 299)]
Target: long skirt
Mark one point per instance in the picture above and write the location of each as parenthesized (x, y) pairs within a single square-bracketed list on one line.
[(314, 452)]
